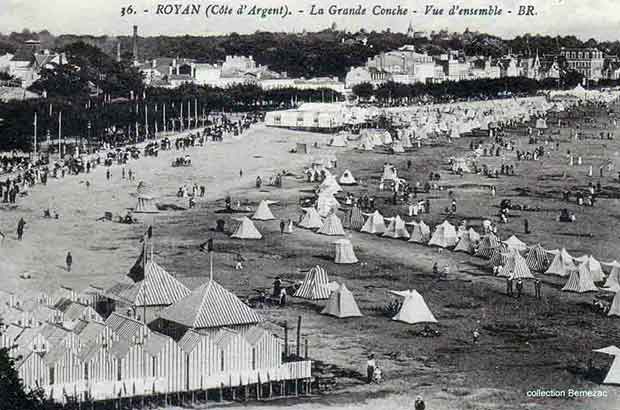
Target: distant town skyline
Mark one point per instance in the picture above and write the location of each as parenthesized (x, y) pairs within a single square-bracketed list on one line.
[(596, 19)]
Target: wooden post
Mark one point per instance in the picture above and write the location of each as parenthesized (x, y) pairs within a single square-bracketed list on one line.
[(283, 388), (258, 386), (296, 386), (299, 336), (247, 391), (306, 348), (285, 339), (221, 392), (270, 393)]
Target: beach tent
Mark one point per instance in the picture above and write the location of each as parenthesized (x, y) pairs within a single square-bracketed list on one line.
[(580, 281), (332, 226), (374, 224), (344, 252), (330, 184), (311, 219), (562, 264), (614, 309), (613, 374), (341, 304), (397, 147), (356, 219), (487, 244), (396, 229), (538, 258), (326, 204), (515, 243), (263, 213), (246, 230), (338, 140), (613, 280), (541, 124), (500, 255), (421, 232), (414, 309), (301, 148), (389, 173), (315, 285), (593, 266), (516, 268), (347, 178), (468, 241), (366, 143), (145, 205), (444, 236)]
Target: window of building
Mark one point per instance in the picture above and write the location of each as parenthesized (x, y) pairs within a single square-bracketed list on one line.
[(51, 375), (85, 371)]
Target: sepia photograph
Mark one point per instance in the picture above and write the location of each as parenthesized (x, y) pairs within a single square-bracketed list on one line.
[(309, 205)]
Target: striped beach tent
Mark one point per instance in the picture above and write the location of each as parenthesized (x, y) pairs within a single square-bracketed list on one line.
[(500, 255), (311, 219), (580, 281), (315, 285), (374, 224), (486, 246), (516, 268), (562, 264), (396, 229), (421, 232), (356, 219), (326, 203), (332, 226), (538, 259)]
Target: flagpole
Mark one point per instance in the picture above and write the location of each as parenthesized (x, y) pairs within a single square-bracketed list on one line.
[(35, 138)]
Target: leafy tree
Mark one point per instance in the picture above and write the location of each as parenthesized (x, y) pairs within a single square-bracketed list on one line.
[(363, 90), (12, 391)]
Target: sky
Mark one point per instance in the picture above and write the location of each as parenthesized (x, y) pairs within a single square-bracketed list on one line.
[(599, 19)]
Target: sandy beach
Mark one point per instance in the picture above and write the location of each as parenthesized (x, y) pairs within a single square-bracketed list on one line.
[(559, 332)]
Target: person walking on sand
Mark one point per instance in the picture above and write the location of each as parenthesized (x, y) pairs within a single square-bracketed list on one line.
[(240, 173), (282, 226), (20, 228), (370, 367), (69, 261)]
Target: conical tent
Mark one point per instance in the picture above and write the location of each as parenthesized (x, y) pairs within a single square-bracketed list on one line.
[(339, 140), (246, 230), (396, 229), (330, 184), (515, 243), (311, 219), (421, 233), (580, 281), (347, 178), (344, 252), (356, 219), (444, 236), (593, 266), (487, 244), (315, 285), (516, 268), (332, 226), (562, 264), (538, 258), (614, 309), (500, 256), (341, 304), (374, 224), (613, 375), (145, 205), (326, 203), (389, 172), (468, 241), (263, 213), (613, 280), (414, 309)]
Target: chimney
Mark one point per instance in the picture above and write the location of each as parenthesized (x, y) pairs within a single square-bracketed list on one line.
[(135, 43), (118, 52)]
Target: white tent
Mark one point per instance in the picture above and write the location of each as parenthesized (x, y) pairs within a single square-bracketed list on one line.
[(338, 140), (614, 309), (613, 375), (311, 219), (330, 185), (593, 266), (414, 309), (468, 241), (374, 224), (421, 233), (389, 173), (562, 264), (344, 252), (444, 236), (246, 230), (516, 267), (613, 280), (347, 178), (263, 213), (326, 204), (396, 229), (397, 147), (315, 285), (145, 205), (341, 304), (332, 226), (515, 243), (580, 281)]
